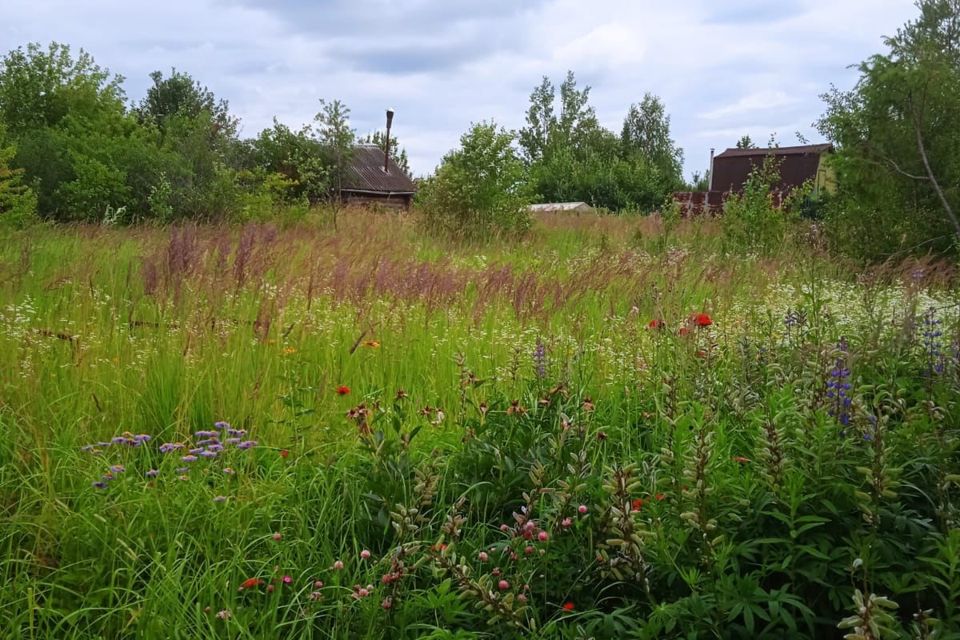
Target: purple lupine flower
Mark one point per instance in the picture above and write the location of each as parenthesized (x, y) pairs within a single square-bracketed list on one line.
[(236, 433), (168, 447), (152, 473), (247, 444), (196, 451), (207, 441), (100, 485), (206, 434), (117, 468), (540, 359), (838, 386), (221, 425), (215, 447), (119, 440), (208, 454), (143, 437), (233, 440), (189, 458), (932, 344)]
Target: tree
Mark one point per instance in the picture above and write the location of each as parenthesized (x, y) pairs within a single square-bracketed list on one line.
[(18, 203), (897, 134), (337, 140), (180, 95), (746, 142), (479, 189), (646, 132), (534, 137)]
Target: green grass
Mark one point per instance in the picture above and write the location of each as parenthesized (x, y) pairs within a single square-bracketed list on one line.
[(759, 514)]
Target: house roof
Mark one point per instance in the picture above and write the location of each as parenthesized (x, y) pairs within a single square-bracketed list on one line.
[(366, 173), (559, 206), (778, 151), (796, 165)]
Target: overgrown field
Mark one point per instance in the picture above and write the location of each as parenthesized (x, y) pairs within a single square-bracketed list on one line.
[(609, 429)]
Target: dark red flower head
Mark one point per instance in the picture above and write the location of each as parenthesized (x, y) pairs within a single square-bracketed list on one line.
[(568, 606), (683, 331), (656, 323), (343, 390), (702, 320)]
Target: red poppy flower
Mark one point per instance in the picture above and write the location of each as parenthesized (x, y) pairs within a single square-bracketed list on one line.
[(250, 583), (683, 331), (656, 323), (636, 504), (343, 390), (702, 320), (568, 606), (284, 454)]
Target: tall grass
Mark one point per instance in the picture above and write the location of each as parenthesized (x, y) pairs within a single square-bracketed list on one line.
[(430, 402)]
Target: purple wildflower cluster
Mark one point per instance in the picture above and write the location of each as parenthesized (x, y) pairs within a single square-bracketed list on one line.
[(838, 386), (207, 445), (540, 359)]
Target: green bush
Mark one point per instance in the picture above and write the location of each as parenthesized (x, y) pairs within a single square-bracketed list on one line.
[(18, 203), (751, 220), (479, 190)]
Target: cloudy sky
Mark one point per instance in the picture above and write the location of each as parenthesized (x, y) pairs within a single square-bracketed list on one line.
[(723, 69)]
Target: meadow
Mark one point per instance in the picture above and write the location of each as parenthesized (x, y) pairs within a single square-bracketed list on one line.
[(613, 427)]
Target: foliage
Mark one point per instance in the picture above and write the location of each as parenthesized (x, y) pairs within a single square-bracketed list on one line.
[(753, 219), (479, 190), (540, 439), (397, 153), (898, 140), (18, 203)]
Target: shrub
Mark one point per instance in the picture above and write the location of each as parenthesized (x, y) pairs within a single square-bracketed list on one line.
[(479, 190), (18, 203), (751, 221)]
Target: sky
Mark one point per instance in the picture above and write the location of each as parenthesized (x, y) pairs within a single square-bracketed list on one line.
[(723, 69)]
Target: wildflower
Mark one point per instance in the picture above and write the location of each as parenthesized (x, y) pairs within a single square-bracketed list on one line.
[(656, 323), (528, 550), (284, 454), (741, 459), (540, 359), (236, 433), (117, 468), (287, 580), (247, 444), (566, 523), (224, 614), (365, 555), (219, 499), (189, 458), (684, 331), (221, 425), (338, 565), (168, 447), (229, 471), (209, 455), (838, 386), (289, 351), (636, 504), (503, 585), (343, 390), (277, 537), (152, 473), (588, 405), (515, 409), (206, 434), (522, 598), (233, 441), (216, 447), (120, 440), (660, 496), (601, 435), (387, 602), (504, 528), (196, 451), (702, 320), (372, 344), (100, 485), (568, 606), (315, 595), (270, 588), (582, 509), (932, 347), (141, 438), (543, 536), (401, 394), (482, 556), (250, 583)]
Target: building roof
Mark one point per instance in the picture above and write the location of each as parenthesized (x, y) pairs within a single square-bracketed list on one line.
[(366, 174), (778, 151), (559, 206), (795, 164)]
